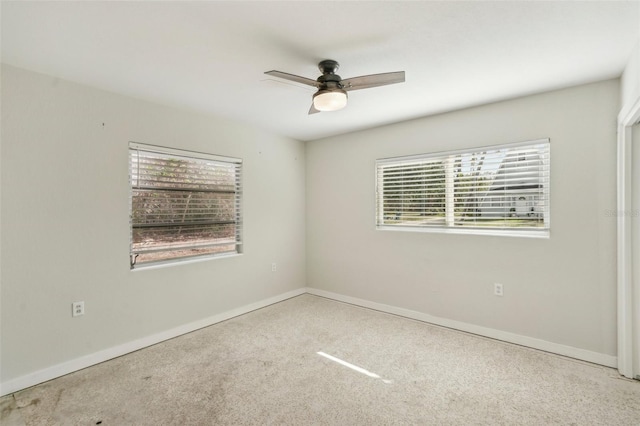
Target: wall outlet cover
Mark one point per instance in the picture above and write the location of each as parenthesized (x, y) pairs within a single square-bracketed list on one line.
[(77, 309)]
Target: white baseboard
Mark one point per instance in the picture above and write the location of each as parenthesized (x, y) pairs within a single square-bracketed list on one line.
[(570, 351), (67, 367)]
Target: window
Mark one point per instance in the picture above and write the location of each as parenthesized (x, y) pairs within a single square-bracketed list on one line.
[(495, 190), (183, 204)]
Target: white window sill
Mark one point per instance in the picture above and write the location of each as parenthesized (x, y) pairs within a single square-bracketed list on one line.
[(178, 262), (534, 233)]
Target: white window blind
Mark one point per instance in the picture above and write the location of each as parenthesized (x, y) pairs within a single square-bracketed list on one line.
[(498, 189), (183, 204)]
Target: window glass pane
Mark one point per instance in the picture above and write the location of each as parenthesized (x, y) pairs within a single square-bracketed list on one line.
[(182, 205), (414, 193), (501, 188)]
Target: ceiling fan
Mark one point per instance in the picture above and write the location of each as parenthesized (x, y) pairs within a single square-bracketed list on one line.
[(332, 89)]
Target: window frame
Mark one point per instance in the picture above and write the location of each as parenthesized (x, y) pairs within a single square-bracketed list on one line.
[(530, 232), (237, 166)]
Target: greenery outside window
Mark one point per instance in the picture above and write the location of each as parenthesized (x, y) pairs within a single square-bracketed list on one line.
[(183, 204), (494, 190)]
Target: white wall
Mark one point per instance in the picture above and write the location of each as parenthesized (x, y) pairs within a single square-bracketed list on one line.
[(560, 290), (65, 226)]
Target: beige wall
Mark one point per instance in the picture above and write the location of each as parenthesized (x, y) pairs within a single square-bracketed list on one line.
[(65, 226), (560, 290)]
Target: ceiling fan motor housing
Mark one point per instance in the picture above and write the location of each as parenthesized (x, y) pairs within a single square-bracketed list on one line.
[(329, 80)]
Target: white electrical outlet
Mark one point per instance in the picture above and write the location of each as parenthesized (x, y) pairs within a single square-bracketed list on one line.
[(274, 267), (498, 290), (77, 309)]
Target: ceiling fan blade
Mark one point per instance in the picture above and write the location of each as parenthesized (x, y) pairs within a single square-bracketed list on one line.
[(293, 77), (373, 80), (313, 109)]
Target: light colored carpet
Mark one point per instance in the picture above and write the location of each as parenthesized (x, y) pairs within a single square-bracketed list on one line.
[(296, 363)]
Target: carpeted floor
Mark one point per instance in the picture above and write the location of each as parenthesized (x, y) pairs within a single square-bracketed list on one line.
[(313, 361)]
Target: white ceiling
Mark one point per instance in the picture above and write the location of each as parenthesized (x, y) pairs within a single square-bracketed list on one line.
[(210, 56)]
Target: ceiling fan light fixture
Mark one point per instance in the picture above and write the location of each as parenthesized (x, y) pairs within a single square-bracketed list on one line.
[(330, 99)]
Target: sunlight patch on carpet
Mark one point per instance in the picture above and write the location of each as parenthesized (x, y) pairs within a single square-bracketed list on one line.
[(353, 367)]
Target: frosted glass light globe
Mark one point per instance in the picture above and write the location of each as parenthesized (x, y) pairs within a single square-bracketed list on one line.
[(330, 100)]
